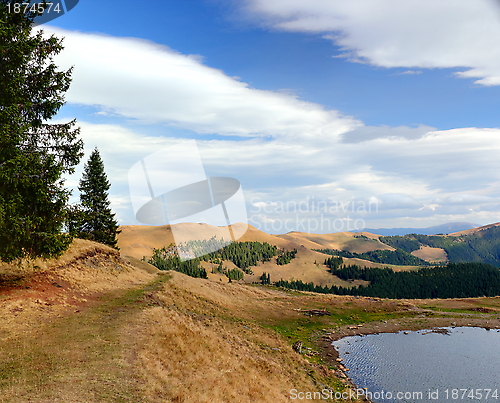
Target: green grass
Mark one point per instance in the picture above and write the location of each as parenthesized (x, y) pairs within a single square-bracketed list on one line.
[(309, 328), (456, 310)]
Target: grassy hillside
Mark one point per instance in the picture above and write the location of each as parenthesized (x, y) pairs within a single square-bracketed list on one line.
[(475, 245), (400, 253), (430, 254), (94, 326), (139, 241), (353, 242)]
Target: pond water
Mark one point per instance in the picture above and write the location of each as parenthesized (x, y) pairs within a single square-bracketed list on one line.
[(461, 364)]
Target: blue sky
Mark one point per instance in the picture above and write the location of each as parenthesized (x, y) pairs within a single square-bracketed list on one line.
[(383, 111)]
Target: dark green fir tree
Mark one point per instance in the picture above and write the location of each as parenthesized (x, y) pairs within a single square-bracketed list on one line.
[(34, 154), (98, 222)]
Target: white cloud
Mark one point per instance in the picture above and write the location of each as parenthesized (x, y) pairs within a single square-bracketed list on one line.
[(439, 170), (299, 149), (490, 207), (365, 133), (142, 80), (399, 33), (409, 72), (467, 199), (395, 201), (449, 160)]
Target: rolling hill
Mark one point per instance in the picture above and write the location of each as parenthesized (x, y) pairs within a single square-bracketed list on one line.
[(480, 245), (139, 241), (98, 326), (434, 230), (476, 245), (353, 242)]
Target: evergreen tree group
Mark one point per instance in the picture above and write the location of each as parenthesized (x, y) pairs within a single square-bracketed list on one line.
[(234, 274), (285, 256), (397, 257), (243, 254), (333, 263), (34, 154), (167, 258), (265, 278), (455, 280)]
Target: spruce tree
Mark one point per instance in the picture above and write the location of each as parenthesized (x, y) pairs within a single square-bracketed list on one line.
[(98, 223), (33, 153)]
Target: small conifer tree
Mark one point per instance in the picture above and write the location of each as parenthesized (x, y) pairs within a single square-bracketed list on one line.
[(98, 222)]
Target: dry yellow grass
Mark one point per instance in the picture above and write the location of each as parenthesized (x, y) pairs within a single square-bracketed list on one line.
[(432, 255), (139, 241), (32, 292), (58, 342), (340, 240), (189, 358), (205, 345), (94, 327), (307, 266), (108, 270)]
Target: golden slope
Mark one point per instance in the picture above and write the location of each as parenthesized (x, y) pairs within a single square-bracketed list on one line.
[(139, 240), (204, 345), (92, 327), (432, 255), (352, 242)]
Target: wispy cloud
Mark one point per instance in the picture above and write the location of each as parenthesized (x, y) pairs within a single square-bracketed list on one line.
[(287, 150), (142, 80), (393, 33), (409, 72), (427, 177)]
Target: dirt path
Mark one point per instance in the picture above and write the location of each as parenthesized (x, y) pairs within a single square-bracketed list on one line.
[(82, 356)]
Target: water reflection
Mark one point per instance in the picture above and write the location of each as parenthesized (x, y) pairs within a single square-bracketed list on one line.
[(458, 364)]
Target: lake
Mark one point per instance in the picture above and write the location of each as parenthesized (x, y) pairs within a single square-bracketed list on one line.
[(460, 365)]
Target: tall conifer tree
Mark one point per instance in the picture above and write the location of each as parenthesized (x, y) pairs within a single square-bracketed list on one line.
[(33, 153), (99, 223)]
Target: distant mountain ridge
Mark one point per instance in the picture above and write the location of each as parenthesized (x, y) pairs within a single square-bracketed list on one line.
[(447, 228)]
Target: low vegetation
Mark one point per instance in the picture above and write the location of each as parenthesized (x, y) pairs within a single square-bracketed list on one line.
[(395, 257), (455, 280)]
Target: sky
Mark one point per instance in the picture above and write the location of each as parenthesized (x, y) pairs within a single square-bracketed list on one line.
[(333, 115)]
